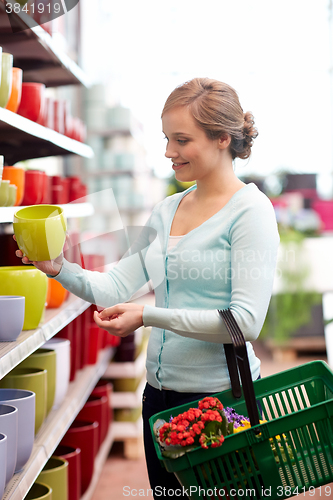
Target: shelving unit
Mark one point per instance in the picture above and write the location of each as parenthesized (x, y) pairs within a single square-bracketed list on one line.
[(23, 139), (36, 53), (41, 59), (56, 425)]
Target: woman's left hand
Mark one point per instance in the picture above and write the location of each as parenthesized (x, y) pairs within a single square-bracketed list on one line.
[(121, 319)]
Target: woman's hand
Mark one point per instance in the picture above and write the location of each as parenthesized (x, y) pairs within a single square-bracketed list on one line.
[(51, 267), (121, 319)]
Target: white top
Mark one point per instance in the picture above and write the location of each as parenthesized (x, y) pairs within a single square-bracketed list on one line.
[(173, 240)]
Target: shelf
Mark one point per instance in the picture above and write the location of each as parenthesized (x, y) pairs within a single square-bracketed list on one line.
[(22, 139), (36, 52), (55, 427), (71, 210), (129, 399), (125, 430), (12, 353), (99, 463), (128, 369)]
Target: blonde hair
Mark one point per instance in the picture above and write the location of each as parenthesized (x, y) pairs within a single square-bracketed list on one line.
[(216, 109)]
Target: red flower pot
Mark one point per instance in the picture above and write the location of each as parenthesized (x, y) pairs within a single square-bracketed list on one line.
[(34, 184), (32, 102), (65, 193), (77, 341), (95, 411), (83, 435), (46, 191), (84, 335), (48, 117), (104, 388), (95, 342), (73, 457), (74, 188), (59, 116)]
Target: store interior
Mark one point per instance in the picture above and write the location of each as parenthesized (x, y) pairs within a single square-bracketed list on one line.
[(75, 134)]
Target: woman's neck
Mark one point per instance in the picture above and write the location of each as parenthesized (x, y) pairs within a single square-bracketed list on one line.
[(223, 183)]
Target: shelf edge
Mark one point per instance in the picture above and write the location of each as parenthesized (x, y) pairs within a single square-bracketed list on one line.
[(43, 449)]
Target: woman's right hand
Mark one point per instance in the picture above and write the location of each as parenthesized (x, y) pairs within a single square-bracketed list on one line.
[(51, 267)]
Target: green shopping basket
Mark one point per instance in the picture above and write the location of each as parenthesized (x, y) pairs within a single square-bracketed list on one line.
[(283, 457)]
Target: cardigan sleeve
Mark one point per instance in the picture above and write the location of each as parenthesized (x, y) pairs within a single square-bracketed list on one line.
[(254, 241), (122, 281)]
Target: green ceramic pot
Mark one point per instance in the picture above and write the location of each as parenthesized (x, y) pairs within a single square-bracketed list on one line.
[(39, 491), (12, 189), (40, 231), (30, 283), (4, 192), (30, 379), (6, 78), (46, 360), (55, 475)]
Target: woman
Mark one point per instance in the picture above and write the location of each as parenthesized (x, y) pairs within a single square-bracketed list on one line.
[(215, 248)]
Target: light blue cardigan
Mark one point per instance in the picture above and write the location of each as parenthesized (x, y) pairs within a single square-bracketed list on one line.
[(228, 261)]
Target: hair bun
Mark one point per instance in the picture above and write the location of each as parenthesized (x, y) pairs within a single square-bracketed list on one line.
[(250, 133)]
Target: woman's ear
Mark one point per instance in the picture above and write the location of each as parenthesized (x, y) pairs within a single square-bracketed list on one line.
[(224, 141)]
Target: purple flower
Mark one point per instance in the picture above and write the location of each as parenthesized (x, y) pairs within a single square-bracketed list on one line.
[(233, 417)]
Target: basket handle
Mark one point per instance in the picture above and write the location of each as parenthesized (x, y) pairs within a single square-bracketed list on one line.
[(236, 355)]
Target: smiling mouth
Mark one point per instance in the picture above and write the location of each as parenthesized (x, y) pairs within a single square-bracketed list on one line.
[(177, 166)]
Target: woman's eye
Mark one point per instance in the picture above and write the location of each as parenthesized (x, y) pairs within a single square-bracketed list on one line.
[(181, 141)]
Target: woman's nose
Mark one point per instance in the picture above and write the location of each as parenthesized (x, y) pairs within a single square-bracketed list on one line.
[(170, 152)]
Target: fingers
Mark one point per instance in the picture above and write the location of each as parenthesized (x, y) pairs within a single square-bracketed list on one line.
[(105, 317), (24, 259), (14, 237), (110, 312)]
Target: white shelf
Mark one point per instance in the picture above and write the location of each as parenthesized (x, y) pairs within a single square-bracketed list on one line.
[(71, 210), (128, 399), (55, 427), (22, 139), (36, 52), (12, 353), (124, 430), (99, 462), (130, 369)]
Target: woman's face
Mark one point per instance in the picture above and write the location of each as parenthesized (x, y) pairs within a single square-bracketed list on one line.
[(193, 155)]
